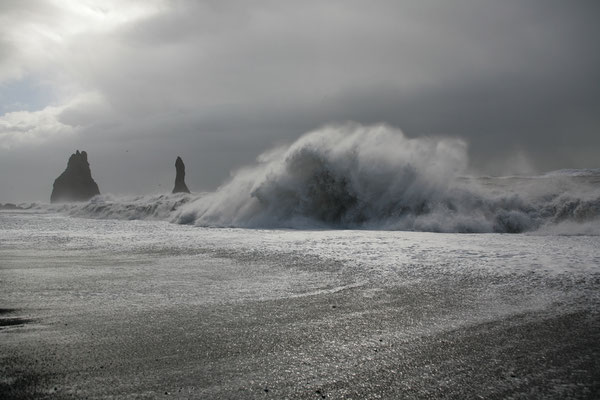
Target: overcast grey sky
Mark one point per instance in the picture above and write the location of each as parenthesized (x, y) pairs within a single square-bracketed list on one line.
[(137, 83)]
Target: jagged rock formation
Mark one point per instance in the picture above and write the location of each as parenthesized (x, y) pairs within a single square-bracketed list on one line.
[(75, 183), (180, 186)]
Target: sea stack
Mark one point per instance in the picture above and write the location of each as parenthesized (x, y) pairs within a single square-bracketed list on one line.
[(75, 183), (180, 186)]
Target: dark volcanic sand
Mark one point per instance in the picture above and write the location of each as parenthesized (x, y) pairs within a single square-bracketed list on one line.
[(355, 343)]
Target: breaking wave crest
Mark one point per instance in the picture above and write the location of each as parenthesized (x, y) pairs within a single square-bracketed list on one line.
[(374, 177)]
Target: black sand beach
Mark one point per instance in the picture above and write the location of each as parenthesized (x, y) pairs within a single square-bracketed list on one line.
[(363, 342)]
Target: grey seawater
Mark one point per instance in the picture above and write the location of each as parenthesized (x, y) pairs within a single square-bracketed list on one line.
[(146, 309)]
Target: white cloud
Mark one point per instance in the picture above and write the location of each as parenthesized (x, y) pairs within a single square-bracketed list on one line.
[(21, 128), (26, 128), (39, 41), (36, 36)]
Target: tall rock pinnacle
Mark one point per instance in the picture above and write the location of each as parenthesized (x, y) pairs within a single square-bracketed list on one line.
[(180, 186), (75, 183)]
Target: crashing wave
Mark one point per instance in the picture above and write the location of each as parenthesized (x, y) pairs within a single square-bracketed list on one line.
[(374, 177), (371, 177)]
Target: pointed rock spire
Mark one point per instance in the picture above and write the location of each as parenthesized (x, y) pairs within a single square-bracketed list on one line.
[(76, 182), (180, 186)]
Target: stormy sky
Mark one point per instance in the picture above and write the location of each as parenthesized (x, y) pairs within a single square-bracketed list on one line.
[(137, 83)]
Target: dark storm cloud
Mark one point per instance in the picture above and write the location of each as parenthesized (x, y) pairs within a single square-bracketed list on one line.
[(220, 81), (488, 72)]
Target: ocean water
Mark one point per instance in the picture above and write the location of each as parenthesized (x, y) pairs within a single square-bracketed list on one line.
[(372, 177)]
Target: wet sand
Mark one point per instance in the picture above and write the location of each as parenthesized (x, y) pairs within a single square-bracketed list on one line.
[(363, 342)]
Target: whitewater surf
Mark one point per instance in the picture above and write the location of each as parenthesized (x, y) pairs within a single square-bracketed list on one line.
[(372, 177)]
